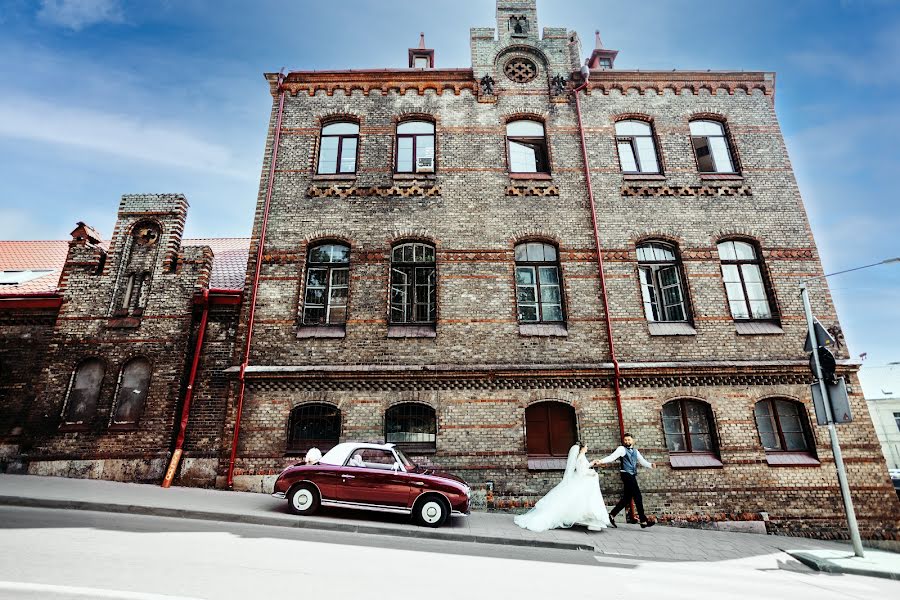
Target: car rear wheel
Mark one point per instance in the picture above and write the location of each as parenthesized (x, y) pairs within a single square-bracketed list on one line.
[(303, 499), (431, 511)]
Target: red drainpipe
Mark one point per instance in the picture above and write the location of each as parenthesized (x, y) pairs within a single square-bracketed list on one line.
[(254, 290), (609, 333), (189, 394)]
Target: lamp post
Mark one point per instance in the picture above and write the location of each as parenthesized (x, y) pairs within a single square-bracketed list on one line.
[(832, 432)]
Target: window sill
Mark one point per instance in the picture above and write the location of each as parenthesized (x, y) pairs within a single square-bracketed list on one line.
[(546, 464), (123, 427), (335, 177), (643, 177), (414, 176), (757, 328), (663, 329), (533, 176), (411, 331), (791, 459), (543, 329), (123, 323), (690, 460), (722, 176), (73, 427), (330, 331), (414, 450)]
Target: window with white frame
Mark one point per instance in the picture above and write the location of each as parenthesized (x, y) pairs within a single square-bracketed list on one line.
[(711, 147), (327, 285), (637, 150), (661, 285), (744, 284)]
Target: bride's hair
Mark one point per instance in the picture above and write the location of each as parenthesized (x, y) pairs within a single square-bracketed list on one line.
[(580, 444)]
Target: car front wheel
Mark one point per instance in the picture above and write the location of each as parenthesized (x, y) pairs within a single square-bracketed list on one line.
[(303, 499), (431, 512)]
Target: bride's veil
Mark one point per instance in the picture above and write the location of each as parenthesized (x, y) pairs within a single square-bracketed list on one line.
[(571, 460)]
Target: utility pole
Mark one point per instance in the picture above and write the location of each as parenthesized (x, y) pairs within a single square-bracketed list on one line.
[(832, 432)]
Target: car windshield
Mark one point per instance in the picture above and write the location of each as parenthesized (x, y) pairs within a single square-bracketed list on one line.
[(407, 463)]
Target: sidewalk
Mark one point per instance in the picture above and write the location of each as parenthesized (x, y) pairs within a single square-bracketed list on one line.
[(658, 543)]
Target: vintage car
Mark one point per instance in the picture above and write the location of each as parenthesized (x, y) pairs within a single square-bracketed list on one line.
[(375, 477)]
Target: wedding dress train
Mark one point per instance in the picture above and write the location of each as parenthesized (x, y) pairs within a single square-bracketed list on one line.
[(575, 500)]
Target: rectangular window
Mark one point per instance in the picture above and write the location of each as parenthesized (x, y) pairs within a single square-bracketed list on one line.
[(20, 277), (897, 420)]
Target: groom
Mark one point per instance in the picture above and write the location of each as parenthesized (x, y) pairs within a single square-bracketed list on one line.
[(629, 457)]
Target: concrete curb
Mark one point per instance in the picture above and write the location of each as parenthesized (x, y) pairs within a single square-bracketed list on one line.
[(278, 521), (825, 565)]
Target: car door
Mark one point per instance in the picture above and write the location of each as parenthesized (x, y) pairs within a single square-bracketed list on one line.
[(369, 477)]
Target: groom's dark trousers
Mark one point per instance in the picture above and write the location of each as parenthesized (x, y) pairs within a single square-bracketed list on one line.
[(631, 492)]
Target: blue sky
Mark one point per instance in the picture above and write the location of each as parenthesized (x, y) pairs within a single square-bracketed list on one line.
[(104, 97)]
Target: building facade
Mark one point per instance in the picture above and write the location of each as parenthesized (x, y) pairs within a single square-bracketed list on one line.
[(886, 418), (483, 265)]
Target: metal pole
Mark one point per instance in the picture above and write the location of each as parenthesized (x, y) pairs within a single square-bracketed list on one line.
[(832, 432)]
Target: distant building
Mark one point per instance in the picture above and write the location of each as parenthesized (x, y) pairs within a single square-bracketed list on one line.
[(885, 414), (424, 270)]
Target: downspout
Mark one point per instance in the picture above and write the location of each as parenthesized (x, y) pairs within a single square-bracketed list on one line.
[(609, 333), (189, 394), (255, 289)]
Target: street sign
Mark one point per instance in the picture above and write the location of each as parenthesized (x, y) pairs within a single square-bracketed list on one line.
[(822, 337), (840, 403)]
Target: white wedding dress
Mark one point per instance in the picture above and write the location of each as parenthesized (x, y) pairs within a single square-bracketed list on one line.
[(575, 500)]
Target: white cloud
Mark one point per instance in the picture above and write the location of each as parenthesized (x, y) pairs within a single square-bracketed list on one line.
[(78, 14), (118, 135)]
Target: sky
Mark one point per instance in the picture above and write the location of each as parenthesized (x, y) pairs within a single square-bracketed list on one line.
[(100, 98)]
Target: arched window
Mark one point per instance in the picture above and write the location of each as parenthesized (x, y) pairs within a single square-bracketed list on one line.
[(327, 285), (413, 284), (661, 286), (550, 429), (411, 426), (688, 425), (84, 389), (783, 426), (337, 148), (415, 147), (314, 426), (711, 147), (744, 283), (637, 150), (527, 147), (134, 382), (538, 285)]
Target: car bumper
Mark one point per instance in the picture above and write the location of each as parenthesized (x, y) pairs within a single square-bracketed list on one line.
[(457, 513), (279, 495)]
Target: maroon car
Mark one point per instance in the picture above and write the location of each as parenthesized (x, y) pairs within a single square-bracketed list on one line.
[(373, 477)]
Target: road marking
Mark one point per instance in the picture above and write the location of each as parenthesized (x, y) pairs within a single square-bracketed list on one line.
[(16, 586)]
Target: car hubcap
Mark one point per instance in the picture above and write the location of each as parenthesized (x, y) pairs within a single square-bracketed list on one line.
[(432, 512), (303, 500)]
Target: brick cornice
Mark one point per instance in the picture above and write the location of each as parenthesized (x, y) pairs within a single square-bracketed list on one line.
[(375, 80), (605, 81)]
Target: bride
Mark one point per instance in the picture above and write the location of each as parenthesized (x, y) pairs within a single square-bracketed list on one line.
[(575, 499)]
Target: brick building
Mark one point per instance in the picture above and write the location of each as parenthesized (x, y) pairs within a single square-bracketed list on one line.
[(423, 269)]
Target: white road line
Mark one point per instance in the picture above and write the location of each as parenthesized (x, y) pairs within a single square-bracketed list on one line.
[(17, 586)]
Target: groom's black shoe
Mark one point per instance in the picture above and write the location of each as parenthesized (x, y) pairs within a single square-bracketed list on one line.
[(647, 524), (612, 522)]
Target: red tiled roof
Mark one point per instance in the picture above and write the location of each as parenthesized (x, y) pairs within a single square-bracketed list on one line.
[(229, 265), (16, 256)]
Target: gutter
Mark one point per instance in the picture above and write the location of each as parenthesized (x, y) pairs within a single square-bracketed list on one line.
[(255, 286)]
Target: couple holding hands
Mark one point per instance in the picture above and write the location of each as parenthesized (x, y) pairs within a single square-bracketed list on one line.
[(578, 499)]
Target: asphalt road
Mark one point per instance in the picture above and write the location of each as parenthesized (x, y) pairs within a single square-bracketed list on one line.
[(56, 554)]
